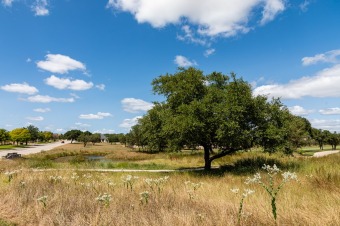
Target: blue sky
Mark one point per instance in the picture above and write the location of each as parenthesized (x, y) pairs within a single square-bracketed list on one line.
[(66, 64)]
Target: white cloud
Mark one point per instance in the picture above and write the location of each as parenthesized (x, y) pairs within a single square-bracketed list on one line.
[(48, 99), (271, 9), (100, 87), (40, 8), (256, 82), (182, 61), (42, 110), (38, 118), (324, 84), (128, 123), (104, 131), (99, 115), (74, 95), (20, 88), (192, 37), (330, 111), (133, 105), (212, 18), (82, 124), (328, 57), (331, 125), (60, 130), (298, 110), (57, 63), (209, 52), (304, 5), (7, 3), (64, 83)]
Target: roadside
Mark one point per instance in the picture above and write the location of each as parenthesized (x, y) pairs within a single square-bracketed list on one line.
[(324, 153), (34, 148)]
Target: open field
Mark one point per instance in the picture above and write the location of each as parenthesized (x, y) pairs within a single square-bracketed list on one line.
[(309, 151), (74, 197)]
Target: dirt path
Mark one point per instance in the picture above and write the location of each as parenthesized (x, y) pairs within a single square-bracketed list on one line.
[(324, 153), (33, 148), (121, 170)]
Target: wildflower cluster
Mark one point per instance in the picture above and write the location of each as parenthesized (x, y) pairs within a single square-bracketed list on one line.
[(158, 183), (43, 200), (144, 197), (55, 179), (10, 175), (192, 188), (75, 176), (246, 192), (272, 171), (129, 180), (104, 199)]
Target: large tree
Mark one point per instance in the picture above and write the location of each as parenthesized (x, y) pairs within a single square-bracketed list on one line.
[(20, 135), (4, 136), (34, 132), (211, 111), (72, 134), (215, 111)]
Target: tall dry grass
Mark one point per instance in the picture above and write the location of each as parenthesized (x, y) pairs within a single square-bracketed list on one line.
[(71, 199)]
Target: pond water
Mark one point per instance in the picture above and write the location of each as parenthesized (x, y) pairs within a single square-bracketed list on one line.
[(95, 158)]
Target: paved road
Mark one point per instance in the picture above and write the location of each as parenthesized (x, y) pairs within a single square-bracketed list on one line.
[(324, 153), (34, 148)]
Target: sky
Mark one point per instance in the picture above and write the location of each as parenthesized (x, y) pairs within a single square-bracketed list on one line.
[(88, 65)]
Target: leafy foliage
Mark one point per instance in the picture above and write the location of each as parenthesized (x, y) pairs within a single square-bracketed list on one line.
[(216, 111)]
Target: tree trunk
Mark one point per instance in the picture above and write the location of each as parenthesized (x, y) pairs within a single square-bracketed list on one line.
[(207, 161)]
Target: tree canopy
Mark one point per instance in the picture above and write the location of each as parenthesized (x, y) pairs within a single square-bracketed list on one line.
[(214, 111)]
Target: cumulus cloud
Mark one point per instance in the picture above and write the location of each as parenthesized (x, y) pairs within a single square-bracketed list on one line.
[(7, 3), (182, 61), (82, 124), (324, 84), (304, 5), (40, 8), (42, 110), (99, 115), (48, 99), (65, 83), (100, 87), (209, 52), (104, 131), (38, 118), (128, 123), (330, 111), (61, 64), (133, 105), (60, 130), (298, 110), (20, 88), (328, 57), (271, 9), (324, 124), (212, 18), (191, 36)]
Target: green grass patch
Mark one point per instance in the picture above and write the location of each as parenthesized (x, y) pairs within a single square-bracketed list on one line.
[(11, 147), (6, 223), (41, 163)]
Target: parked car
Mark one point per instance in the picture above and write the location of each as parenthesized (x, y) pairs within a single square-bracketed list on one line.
[(12, 155)]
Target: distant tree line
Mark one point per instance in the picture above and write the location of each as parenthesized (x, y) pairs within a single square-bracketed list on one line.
[(25, 135), (219, 112), (86, 137)]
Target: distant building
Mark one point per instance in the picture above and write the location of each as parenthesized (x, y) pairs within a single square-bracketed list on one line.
[(103, 138)]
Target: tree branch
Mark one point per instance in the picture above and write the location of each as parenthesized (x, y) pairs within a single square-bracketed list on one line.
[(224, 153)]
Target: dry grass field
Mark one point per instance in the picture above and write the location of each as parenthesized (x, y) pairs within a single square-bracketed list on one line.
[(68, 196)]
